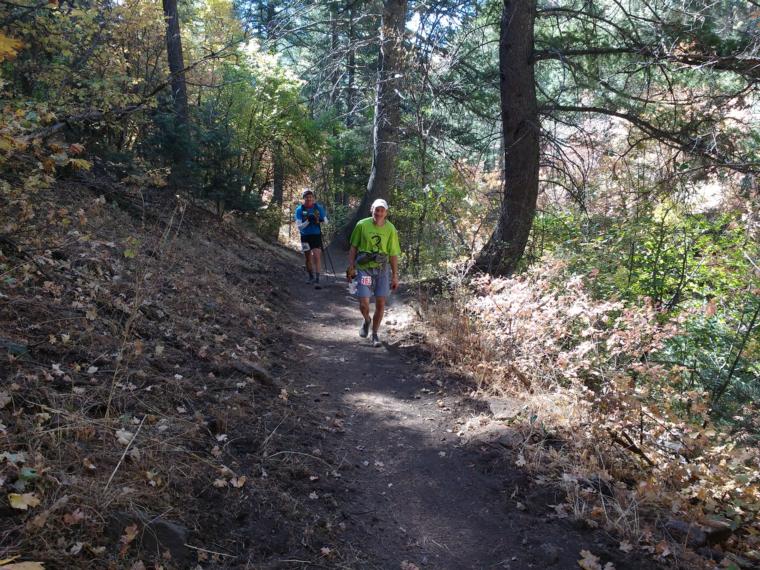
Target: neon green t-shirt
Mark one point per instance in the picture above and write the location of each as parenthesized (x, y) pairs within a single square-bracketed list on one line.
[(367, 237)]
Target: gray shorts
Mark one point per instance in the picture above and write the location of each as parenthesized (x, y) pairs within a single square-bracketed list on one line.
[(373, 282)]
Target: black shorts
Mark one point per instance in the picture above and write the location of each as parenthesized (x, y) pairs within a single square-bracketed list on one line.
[(313, 241)]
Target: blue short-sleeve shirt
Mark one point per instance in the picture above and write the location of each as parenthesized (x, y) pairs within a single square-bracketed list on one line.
[(303, 215)]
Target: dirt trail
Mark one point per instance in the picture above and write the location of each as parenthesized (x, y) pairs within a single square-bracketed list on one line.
[(408, 487)]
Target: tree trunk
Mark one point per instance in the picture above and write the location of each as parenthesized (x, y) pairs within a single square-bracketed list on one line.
[(176, 61), (346, 169), (278, 164), (519, 117), (179, 154), (387, 112), (278, 175), (350, 68)]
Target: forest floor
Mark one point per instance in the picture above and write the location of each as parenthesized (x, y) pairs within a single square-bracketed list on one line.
[(420, 473), (174, 395)]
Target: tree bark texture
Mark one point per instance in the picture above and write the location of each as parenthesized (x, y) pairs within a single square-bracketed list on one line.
[(519, 116), (278, 175), (350, 67), (176, 61), (278, 164), (387, 111)]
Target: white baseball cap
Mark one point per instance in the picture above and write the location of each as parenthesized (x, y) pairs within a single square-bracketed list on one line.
[(379, 202), (307, 192)]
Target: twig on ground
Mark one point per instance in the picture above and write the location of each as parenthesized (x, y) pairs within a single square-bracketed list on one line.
[(123, 455), (299, 453), (629, 444), (199, 549)]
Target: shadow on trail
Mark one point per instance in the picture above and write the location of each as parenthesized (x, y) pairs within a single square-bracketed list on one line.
[(415, 492)]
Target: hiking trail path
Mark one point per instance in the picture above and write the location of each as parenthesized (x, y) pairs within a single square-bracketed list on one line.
[(412, 490)]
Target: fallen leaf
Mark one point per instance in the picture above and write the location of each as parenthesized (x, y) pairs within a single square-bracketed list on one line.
[(663, 548), (41, 519), (14, 458), (28, 474), (626, 546), (123, 436), (238, 482), (130, 533), (406, 565), (38, 522), (73, 518), (589, 561), (23, 502)]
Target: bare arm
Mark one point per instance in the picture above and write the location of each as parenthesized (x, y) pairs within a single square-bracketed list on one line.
[(394, 272), (351, 262)]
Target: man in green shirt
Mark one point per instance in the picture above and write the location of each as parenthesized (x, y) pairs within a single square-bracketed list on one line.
[(373, 261)]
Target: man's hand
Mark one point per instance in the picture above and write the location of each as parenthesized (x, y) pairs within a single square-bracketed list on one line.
[(394, 282), (350, 273)]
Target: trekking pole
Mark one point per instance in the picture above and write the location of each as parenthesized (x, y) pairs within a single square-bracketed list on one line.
[(329, 258)]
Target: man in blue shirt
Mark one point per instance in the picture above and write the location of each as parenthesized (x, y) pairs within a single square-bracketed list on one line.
[(309, 219)]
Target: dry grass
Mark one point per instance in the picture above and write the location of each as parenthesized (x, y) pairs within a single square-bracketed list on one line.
[(584, 424), (132, 343)]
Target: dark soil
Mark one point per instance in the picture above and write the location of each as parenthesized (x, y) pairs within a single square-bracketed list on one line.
[(269, 434), (403, 489)]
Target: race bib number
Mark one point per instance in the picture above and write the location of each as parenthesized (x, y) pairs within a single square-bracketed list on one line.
[(366, 280), (305, 247)]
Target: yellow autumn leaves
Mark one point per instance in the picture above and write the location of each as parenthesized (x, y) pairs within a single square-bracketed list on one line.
[(23, 501), (9, 47)]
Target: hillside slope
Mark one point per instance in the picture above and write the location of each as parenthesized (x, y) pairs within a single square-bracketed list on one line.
[(141, 349)]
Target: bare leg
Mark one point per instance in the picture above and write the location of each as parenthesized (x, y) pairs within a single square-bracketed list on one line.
[(379, 311), (307, 256), (315, 262), (364, 307)]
